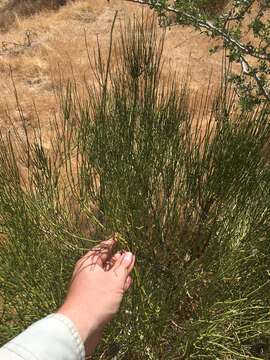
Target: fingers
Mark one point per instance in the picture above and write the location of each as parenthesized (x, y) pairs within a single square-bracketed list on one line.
[(128, 283), (102, 252), (125, 263), (131, 266), (116, 257), (110, 263), (122, 268)]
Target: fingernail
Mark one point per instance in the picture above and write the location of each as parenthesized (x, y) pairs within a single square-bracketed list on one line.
[(128, 257)]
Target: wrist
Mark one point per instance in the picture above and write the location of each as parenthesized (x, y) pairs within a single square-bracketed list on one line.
[(84, 325)]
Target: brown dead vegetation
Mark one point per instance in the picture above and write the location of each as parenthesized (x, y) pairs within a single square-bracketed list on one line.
[(17, 8), (44, 50), (213, 7)]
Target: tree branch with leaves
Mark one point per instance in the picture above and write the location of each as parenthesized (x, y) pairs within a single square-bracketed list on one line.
[(231, 26)]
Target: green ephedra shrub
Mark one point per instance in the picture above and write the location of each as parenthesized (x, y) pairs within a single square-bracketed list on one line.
[(183, 180)]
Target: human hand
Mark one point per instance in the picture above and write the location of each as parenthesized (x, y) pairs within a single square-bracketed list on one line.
[(98, 284)]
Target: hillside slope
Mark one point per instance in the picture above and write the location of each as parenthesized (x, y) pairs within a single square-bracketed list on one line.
[(36, 48)]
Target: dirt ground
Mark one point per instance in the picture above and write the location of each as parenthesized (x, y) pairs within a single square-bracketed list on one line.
[(37, 48)]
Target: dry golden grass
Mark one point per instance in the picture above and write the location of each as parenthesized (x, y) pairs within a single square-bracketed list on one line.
[(10, 9), (38, 48), (213, 7)]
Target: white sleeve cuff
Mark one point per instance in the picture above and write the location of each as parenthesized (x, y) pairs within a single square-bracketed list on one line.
[(54, 337)]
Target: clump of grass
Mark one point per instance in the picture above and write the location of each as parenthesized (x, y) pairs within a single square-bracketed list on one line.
[(15, 8), (183, 180), (212, 7)]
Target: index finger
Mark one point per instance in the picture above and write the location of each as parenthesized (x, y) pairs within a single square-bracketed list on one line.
[(101, 253)]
